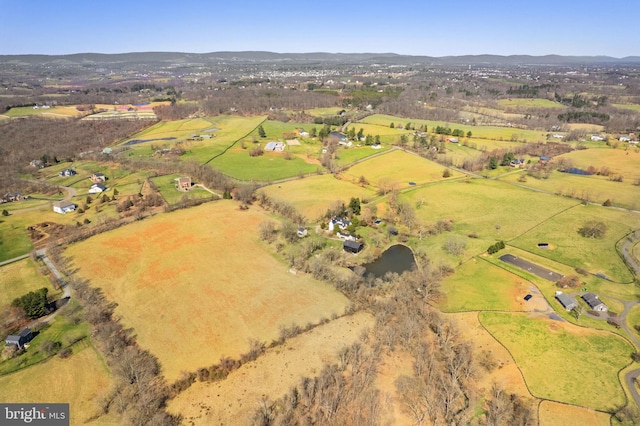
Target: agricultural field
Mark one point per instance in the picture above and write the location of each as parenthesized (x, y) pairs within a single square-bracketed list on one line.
[(273, 374), (632, 107), (633, 319), (54, 111), (398, 168), (155, 270), (492, 209), (347, 156), (81, 380), (546, 349), (327, 112), (593, 254), (386, 133), (555, 414), (313, 195), (270, 166), (620, 162), (478, 286), (19, 278), (522, 103)]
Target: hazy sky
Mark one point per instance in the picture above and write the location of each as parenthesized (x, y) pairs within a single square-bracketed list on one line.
[(418, 27)]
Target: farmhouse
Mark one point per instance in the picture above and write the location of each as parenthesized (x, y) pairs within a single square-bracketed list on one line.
[(21, 339), (594, 302), (67, 172), (184, 184), (597, 138), (345, 236), (519, 163), (340, 222), (98, 178), (352, 246), (624, 139), (10, 197), (63, 207), (566, 301), (302, 231), (96, 188), (341, 137)]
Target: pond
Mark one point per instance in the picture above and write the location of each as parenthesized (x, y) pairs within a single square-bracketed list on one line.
[(397, 258)]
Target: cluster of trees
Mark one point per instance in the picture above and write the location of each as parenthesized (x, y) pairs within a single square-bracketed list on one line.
[(494, 248), (593, 229), (584, 117), (34, 303)]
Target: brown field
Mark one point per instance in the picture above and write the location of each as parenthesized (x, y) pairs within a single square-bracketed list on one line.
[(556, 414), (234, 400), (197, 284), (79, 380), (390, 369)]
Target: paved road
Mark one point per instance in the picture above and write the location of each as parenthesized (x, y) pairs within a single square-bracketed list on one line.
[(42, 253), (630, 379), (531, 267)]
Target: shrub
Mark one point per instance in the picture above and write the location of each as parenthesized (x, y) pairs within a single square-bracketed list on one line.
[(593, 229), (494, 248)]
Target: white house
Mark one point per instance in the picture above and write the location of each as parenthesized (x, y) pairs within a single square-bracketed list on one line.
[(624, 139), (96, 188), (339, 222), (597, 138), (63, 207), (67, 172)]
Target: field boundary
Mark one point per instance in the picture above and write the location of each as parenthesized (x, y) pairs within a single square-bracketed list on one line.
[(233, 143)]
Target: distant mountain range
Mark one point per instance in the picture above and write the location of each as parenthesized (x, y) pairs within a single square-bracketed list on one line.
[(314, 57)]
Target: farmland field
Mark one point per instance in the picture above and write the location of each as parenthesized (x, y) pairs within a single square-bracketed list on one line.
[(313, 195), (80, 380), (492, 209), (270, 166), (519, 103), (619, 161), (398, 167), (200, 275), (19, 278), (273, 374), (62, 112), (632, 107), (556, 414), (346, 156), (593, 254), (479, 285), (167, 187), (554, 356)]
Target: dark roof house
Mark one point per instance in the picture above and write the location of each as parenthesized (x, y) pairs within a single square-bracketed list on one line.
[(594, 302), (352, 246), (21, 339), (566, 301)]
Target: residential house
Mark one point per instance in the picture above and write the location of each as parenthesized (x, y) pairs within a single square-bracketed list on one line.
[(345, 236), (302, 231), (566, 301), (339, 222), (21, 339), (340, 136), (10, 197), (595, 304), (38, 164), (98, 178), (97, 188), (452, 140), (518, 163), (184, 184), (597, 138), (303, 133), (67, 173), (624, 139), (352, 246), (63, 207)]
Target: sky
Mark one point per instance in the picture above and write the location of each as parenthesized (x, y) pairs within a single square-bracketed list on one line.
[(418, 27)]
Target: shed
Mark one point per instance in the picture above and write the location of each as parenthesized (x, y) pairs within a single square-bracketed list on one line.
[(594, 302), (21, 339), (566, 301), (352, 246)]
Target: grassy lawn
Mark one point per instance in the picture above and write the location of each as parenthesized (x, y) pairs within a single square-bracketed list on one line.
[(14, 240), (346, 156), (632, 107), (555, 356), (491, 209), (520, 103), (80, 380), (270, 166), (478, 285), (61, 111), (19, 278), (596, 189), (202, 274), (594, 255), (313, 195), (633, 319), (167, 187), (399, 168)]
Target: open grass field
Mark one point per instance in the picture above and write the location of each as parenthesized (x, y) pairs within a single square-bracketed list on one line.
[(270, 166), (19, 278), (80, 380), (326, 112), (594, 255), (14, 240), (200, 275), (620, 161), (633, 319), (478, 285), (555, 357), (56, 111), (492, 209), (555, 414), (484, 132), (167, 187), (378, 129), (313, 195), (521, 103), (400, 168), (596, 189), (235, 399), (632, 107), (346, 156)]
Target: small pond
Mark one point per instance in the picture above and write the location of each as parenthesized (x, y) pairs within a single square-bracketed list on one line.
[(397, 258)]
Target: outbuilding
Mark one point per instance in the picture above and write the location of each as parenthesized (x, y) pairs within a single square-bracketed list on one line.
[(352, 246), (567, 302), (21, 339), (595, 304)]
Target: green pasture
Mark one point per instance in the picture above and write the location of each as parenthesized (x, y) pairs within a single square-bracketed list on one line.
[(399, 168), (594, 255), (596, 189), (312, 196), (53, 112), (623, 162), (484, 132), (633, 319), (487, 145), (19, 278), (492, 209), (386, 133), (14, 240), (327, 112), (238, 164), (632, 107), (478, 285), (346, 156), (62, 330), (167, 187), (520, 103), (274, 130), (35, 200), (555, 358)]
